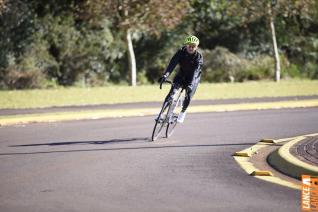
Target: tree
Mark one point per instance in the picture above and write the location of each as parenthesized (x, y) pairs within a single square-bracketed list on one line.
[(147, 17), (54, 40), (16, 28), (2, 5), (143, 16), (251, 10), (210, 19)]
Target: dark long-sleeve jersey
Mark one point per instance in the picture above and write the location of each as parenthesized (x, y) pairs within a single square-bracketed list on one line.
[(190, 65)]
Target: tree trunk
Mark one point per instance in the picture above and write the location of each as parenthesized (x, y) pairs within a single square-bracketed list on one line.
[(277, 60), (132, 60)]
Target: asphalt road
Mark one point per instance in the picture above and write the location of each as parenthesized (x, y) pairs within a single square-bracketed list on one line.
[(110, 165)]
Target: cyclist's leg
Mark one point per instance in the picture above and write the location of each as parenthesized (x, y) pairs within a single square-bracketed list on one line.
[(174, 88), (190, 91)]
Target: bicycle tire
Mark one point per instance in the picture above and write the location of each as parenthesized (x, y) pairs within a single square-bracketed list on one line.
[(159, 125), (170, 128), (172, 125)]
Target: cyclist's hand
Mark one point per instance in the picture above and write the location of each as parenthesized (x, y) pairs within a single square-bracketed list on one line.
[(162, 80), (189, 88)]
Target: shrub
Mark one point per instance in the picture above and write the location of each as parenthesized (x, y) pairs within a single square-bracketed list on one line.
[(311, 70), (30, 70), (142, 78), (292, 71), (221, 65), (261, 67), (15, 79)]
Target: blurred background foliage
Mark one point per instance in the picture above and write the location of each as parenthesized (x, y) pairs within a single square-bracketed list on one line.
[(44, 44)]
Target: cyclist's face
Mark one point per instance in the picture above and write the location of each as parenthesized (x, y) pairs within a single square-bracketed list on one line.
[(191, 48)]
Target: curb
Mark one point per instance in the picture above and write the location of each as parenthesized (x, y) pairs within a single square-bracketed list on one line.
[(69, 116), (117, 113), (288, 164), (251, 170), (282, 159)]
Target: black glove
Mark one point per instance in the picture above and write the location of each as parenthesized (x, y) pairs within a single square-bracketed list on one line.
[(189, 87), (162, 79)]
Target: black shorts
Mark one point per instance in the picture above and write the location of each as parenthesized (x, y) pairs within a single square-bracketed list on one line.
[(181, 82)]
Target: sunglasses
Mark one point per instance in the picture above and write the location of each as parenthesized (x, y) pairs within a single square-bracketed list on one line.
[(192, 46)]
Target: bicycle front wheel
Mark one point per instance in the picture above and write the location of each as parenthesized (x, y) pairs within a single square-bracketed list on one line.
[(174, 112), (160, 122), (171, 126)]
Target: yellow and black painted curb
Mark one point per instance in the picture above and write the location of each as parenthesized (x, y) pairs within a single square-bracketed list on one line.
[(117, 113), (285, 162), (282, 159)]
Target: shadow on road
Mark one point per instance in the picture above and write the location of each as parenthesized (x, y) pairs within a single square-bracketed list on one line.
[(84, 142), (150, 145)]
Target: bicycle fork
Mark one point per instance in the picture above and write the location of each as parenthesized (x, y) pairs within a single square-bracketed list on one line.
[(172, 117)]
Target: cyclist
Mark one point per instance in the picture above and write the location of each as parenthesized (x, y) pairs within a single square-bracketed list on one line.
[(188, 76)]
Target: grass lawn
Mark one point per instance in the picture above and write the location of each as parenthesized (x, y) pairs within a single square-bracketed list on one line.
[(124, 94)]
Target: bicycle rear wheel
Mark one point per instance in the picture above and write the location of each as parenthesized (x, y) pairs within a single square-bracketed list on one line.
[(160, 122)]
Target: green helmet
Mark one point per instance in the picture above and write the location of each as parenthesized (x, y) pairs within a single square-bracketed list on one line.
[(192, 40)]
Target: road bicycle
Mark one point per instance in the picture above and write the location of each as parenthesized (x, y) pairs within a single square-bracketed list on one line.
[(169, 113)]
